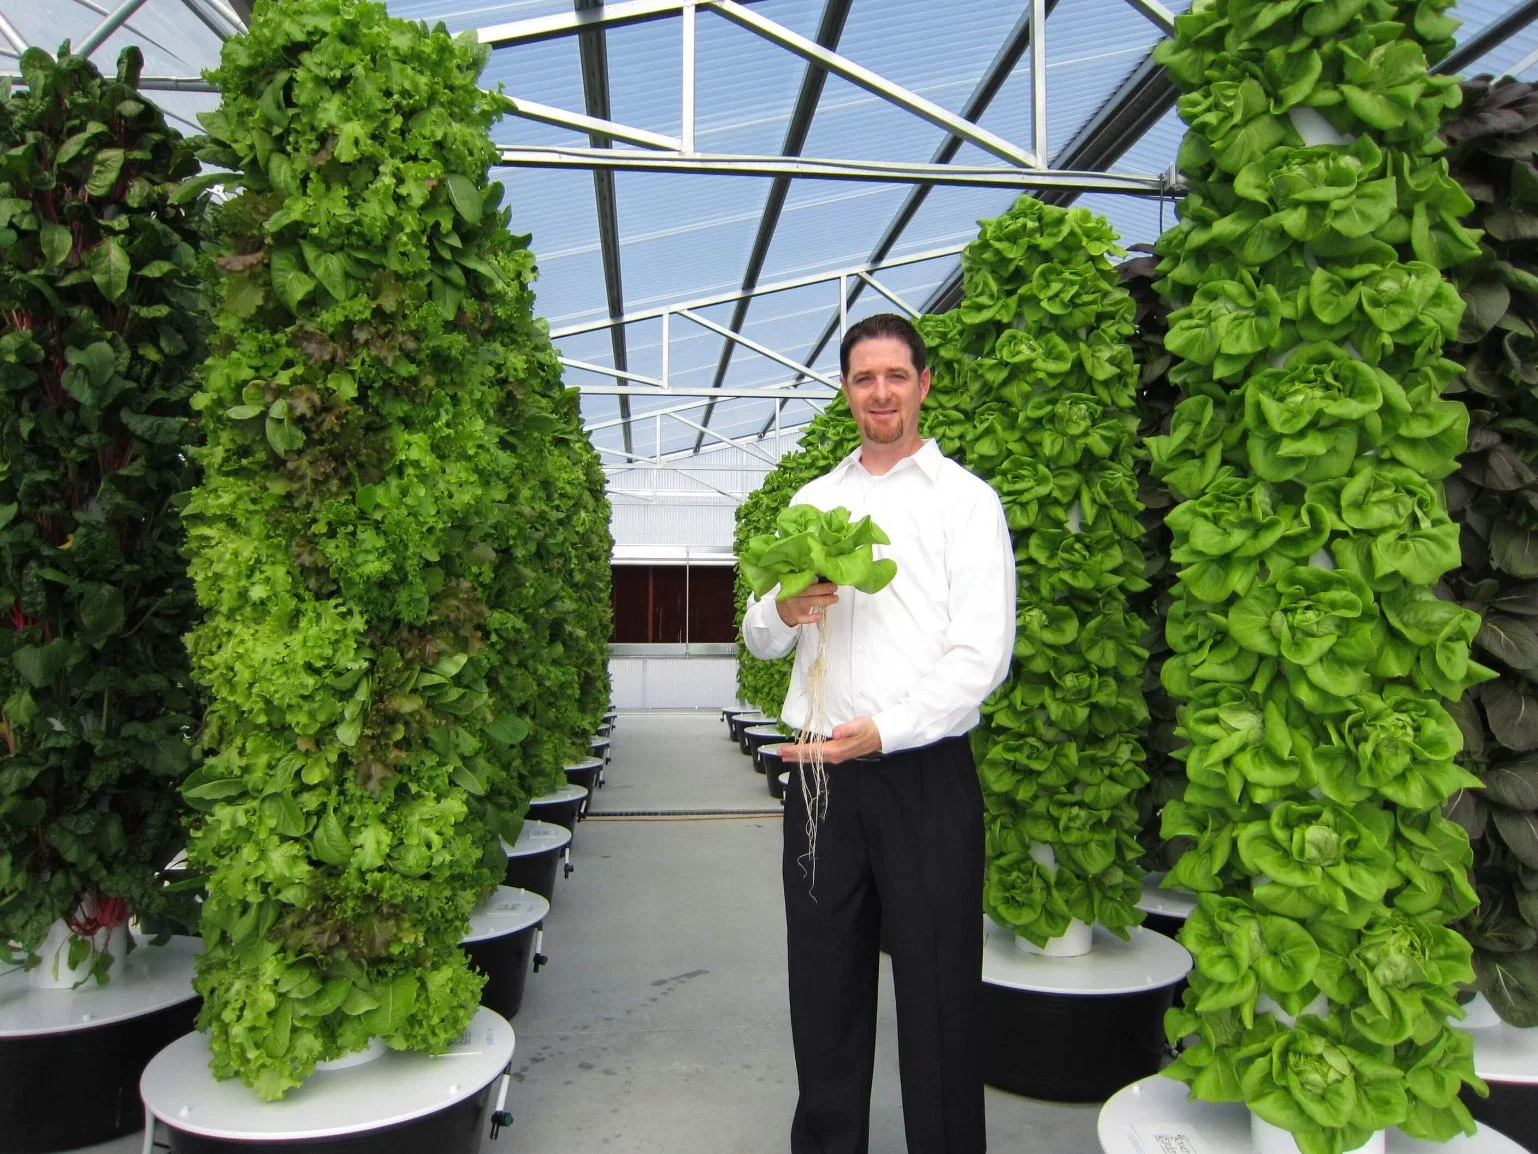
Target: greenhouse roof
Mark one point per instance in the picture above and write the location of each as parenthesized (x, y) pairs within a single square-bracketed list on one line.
[(672, 157)]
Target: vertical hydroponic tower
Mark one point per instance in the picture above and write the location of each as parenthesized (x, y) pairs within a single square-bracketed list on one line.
[(1494, 496), (1312, 657), (1034, 388), (365, 494), (99, 337)]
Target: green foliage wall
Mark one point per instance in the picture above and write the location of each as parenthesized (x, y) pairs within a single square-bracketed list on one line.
[(383, 543), (551, 594), (99, 332), (829, 438), (1034, 388), (1156, 399), (1312, 655), (1494, 496)]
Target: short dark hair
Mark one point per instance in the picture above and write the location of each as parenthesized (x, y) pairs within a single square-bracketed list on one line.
[(883, 325)]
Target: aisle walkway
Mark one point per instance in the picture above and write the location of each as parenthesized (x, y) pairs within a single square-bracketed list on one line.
[(660, 1025)]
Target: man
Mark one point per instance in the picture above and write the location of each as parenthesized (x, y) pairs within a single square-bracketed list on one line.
[(902, 838)]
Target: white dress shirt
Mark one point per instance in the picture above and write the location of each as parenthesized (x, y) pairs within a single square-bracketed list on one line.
[(921, 655)]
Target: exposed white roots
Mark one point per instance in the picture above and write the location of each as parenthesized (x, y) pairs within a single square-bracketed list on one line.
[(814, 773)]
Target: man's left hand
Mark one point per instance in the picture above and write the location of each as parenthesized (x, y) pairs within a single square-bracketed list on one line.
[(857, 738)]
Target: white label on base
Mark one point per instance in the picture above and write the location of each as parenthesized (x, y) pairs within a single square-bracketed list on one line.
[(1167, 1138)]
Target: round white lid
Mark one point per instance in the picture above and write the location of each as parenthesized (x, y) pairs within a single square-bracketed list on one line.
[(537, 837), (396, 1087), (1150, 961), (149, 979), (587, 763), (1504, 1053), (1171, 903), (768, 731), (507, 911), (756, 719), (1154, 1114), (566, 793), (598, 742)]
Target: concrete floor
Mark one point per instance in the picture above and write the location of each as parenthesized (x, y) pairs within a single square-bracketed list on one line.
[(660, 1024)]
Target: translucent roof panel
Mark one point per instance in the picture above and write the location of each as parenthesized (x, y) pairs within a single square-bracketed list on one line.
[(684, 237), (173, 42), (1518, 55)]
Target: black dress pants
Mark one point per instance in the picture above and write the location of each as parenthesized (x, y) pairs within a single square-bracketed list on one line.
[(904, 835)]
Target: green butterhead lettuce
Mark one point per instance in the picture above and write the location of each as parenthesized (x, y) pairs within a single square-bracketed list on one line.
[(1034, 390), (1314, 658), (810, 544)]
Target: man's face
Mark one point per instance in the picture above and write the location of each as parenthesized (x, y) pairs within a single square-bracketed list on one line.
[(884, 390)]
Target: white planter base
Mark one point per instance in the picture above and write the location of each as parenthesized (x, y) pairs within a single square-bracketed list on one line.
[(55, 972), (375, 1049), (1269, 1139), (1076, 941), (1479, 1015), (1156, 1114)]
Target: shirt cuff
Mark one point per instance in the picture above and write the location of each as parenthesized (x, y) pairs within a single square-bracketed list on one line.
[(896, 727), (765, 618)]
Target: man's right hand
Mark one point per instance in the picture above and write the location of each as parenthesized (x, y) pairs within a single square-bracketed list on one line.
[(808, 606)]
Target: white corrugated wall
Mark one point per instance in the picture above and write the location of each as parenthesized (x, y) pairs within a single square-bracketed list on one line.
[(689, 502)]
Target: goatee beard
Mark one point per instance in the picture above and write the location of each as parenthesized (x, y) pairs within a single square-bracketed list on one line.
[(883, 435)]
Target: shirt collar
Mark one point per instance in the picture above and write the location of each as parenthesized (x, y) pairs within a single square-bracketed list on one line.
[(928, 459)]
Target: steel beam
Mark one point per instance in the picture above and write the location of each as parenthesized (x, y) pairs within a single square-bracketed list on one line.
[(874, 83), (686, 407), (770, 394), (686, 72), (110, 24), (1488, 39), (237, 14), (593, 47), (1142, 100), (1039, 77), (685, 454), (829, 30), (12, 37), (733, 442), (764, 290), (881, 172), (536, 28), (891, 296), (155, 84), (1161, 16), (594, 126), (206, 19), (761, 350), (92, 6), (175, 84), (999, 70), (658, 463), (1524, 64), (618, 374)]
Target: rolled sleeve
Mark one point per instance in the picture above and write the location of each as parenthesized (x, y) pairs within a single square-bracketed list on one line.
[(764, 633), (979, 640)]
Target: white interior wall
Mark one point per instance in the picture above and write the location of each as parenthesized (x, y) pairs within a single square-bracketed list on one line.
[(658, 510)]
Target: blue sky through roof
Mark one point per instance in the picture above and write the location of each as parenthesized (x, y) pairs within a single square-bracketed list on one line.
[(687, 236)]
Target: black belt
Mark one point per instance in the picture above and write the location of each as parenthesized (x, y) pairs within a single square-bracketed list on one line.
[(877, 758)]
